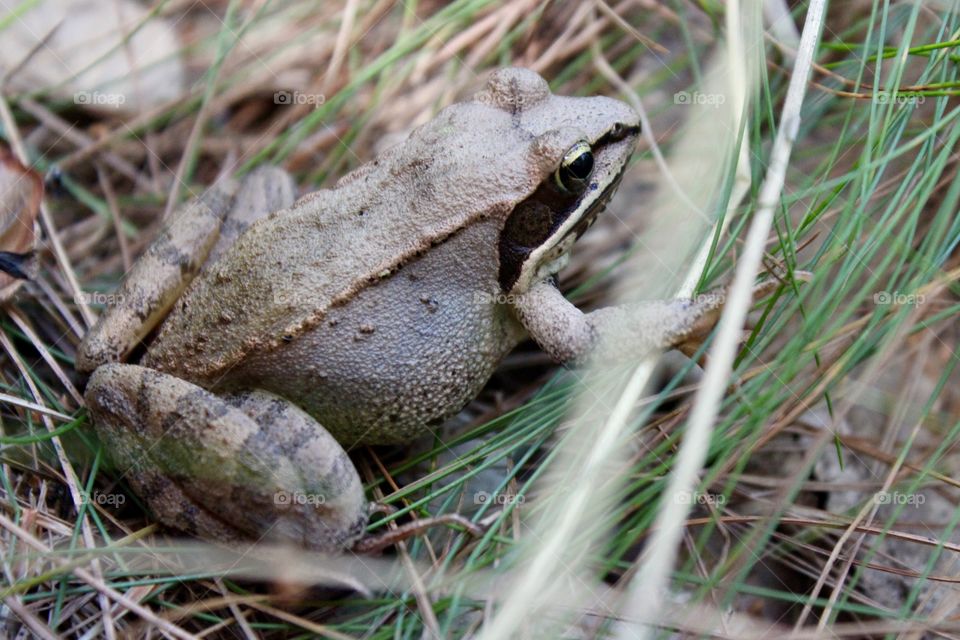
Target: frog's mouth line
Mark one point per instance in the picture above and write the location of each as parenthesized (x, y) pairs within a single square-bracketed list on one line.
[(595, 208), (612, 149)]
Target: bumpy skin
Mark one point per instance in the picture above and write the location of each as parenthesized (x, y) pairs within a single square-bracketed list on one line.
[(402, 355), (376, 307), (251, 465)]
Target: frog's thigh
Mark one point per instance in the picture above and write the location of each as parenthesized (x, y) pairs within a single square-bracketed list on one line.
[(196, 234), (248, 466), (263, 191)]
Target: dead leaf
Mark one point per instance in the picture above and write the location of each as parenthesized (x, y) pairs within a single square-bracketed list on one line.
[(21, 189)]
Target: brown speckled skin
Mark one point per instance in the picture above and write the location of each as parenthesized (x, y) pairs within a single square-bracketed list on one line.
[(368, 313), (403, 354)]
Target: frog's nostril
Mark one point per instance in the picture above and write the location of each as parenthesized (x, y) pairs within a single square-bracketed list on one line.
[(619, 131)]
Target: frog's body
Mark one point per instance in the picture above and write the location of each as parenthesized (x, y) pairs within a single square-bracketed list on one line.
[(418, 346), (367, 313)]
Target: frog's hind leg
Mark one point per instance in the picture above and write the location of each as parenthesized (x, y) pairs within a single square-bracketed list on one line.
[(246, 467), (263, 191), (195, 235)]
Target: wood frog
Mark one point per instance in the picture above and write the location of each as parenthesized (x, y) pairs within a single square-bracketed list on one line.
[(284, 332)]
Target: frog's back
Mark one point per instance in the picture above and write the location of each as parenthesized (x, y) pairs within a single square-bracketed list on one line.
[(473, 162), (282, 277)]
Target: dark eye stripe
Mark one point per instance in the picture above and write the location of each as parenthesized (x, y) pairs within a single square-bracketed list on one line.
[(536, 219)]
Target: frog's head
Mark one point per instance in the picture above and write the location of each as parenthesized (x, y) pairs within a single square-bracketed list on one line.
[(577, 149)]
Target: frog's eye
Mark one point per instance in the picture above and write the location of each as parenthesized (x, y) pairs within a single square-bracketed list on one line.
[(575, 168)]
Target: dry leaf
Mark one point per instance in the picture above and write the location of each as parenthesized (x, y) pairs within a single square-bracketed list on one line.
[(20, 192)]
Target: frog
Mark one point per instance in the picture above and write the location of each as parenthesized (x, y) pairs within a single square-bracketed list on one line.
[(262, 337)]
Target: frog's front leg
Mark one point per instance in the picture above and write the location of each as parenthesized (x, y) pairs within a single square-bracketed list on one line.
[(195, 235), (568, 335), (250, 466)]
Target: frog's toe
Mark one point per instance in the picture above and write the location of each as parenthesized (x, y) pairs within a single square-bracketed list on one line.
[(704, 313), (248, 467)]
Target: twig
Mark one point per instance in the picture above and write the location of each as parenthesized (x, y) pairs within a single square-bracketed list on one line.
[(303, 623), (39, 345), (626, 26), (115, 216), (70, 133), (31, 621), (33, 406)]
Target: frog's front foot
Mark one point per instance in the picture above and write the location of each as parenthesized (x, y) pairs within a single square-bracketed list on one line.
[(249, 466), (617, 334)]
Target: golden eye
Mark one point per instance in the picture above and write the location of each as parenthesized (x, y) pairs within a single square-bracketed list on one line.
[(575, 168)]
